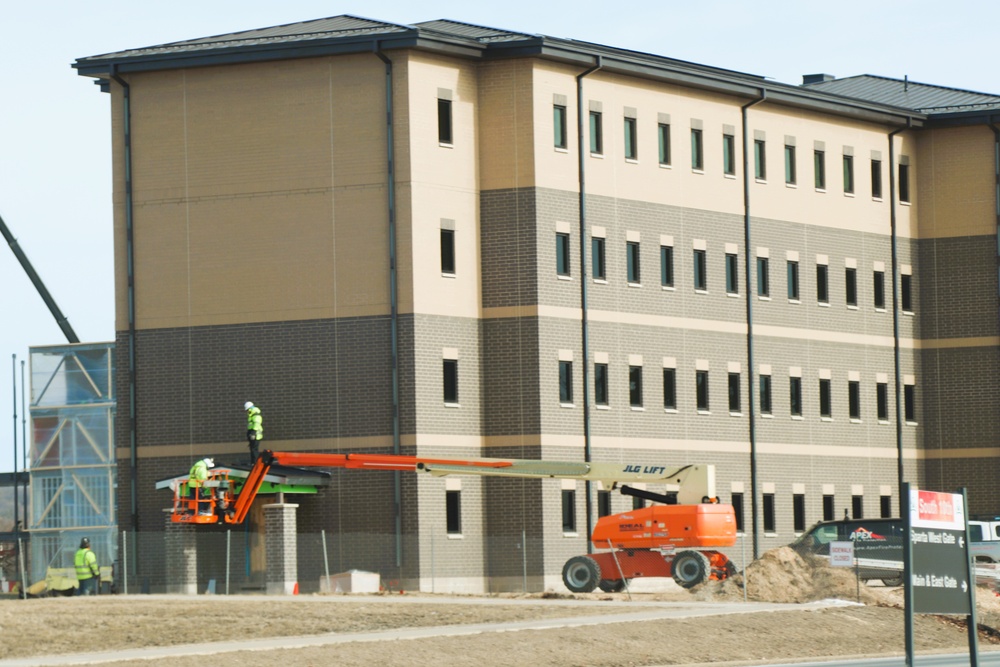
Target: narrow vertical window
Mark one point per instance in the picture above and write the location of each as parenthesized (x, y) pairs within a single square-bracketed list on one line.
[(904, 183), (849, 174), (450, 380), (882, 401), (885, 506), (819, 169), (666, 266), (736, 500), (632, 262), (822, 284), (763, 277), (854, 399), (560, 135), (909, 403), (798, 512), (795, 396), (562, 254), (790, 176), (670, 388), (765, 394), (701, 390), (631, 142), (769, 515), (759, 160), (728, 154), (732, 274), (700, 270), (596, 133), (879, 280), (603, 503), (793, 280), (857, 507), (828, 509), (638, 503), (697, 151), (825, 399), (876, 179), (453, 511), (906, 292), (851, 285), (566, 382), (734, 393), (448, 251), (597, 258), (444, 121), (569, 510), (663, 132), (635, 386), (601, 384)]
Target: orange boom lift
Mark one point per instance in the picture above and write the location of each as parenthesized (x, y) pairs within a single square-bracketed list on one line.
[(677, 537)]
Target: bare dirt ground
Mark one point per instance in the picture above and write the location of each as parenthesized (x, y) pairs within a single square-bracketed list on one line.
[(874, 628)]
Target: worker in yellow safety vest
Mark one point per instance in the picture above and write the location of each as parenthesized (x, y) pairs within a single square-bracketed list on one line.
[(255, 429), (87, 571), (196, 481)]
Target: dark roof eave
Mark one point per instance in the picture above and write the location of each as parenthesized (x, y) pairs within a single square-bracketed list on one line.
[(964, 119)]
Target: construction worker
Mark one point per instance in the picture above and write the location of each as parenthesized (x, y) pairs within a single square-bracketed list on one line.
[(255, 429), (196, 481), (87, 571)]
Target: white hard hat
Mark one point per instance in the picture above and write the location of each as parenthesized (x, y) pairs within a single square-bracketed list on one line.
[(248, 405), (210, 462)]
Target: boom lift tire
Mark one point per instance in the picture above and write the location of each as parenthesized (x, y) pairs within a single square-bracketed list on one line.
[(690, 568), (581, 574), (612, 585)]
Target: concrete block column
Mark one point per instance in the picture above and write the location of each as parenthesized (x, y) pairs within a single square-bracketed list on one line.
[(281, 547), (181, 548)]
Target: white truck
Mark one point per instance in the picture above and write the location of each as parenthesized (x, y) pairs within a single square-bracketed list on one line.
[(984, 536)]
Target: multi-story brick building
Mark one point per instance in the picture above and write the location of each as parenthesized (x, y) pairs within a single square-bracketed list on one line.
[(389, 238)]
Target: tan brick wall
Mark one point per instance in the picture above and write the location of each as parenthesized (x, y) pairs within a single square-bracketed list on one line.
[(957, 184)]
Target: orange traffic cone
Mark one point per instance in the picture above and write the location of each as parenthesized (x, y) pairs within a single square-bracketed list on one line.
[(295, 589)]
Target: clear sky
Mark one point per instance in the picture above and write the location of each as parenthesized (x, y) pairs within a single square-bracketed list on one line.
[(55, 169)]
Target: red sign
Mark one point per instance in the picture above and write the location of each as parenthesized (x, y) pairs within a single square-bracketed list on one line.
[(933, 509)]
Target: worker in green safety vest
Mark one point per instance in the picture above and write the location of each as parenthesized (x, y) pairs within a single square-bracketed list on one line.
[(87, 571), (196, 480), (255, 429)]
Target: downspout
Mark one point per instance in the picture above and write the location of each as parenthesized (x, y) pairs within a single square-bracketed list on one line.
[(747, 259), (393, 298), (895, 305), (130, 268), (588, 490)]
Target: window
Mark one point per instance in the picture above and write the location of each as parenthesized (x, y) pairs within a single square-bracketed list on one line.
[(444, 121), (631, 145), (759, 160), (666, 266), (765, 394), (876, 179), (448, 251), (597, 258), (857, 507), (565, 381), (732, 274), (562, 254), (882, 401), (909, 403), (453, 512), (697, 151), (906, 292), (728, 154), (851, 286), (603, 503), (670, 388), (569, 510), (638, 503), (885, 506), (822, 284), (854, 399), (596, 133), (701, 390), (559, 130), (819, 169), (798, 512), (825, 399), (632, 261), (451, 380), (879, 279), (790, 165), (793, 280), (904, 183), (828, 508), (635, 386), (601, 384), (663, 132), (700, 270), (737, 502), (763, 277), (849, 174), (795, 395), (769, 516), (734, 392)]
